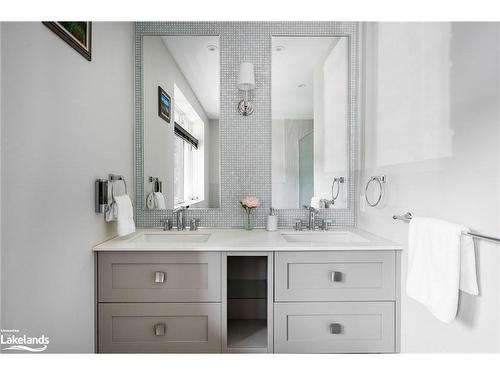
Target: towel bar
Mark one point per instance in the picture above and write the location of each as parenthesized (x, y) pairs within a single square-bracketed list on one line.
[(408, 216)]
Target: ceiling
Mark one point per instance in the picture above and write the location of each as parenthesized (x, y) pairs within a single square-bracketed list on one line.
[(293, 66), (200, 67)]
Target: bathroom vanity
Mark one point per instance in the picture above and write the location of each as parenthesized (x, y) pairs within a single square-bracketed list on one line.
[(231, 290), (207, 146)]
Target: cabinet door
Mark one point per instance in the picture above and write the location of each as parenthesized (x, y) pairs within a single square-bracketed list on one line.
[(159, 328), (159, 277), (335, 276), (334, 327)]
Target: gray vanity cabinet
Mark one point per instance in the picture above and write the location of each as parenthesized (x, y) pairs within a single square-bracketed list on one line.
[(335, 302), (159, 302), (343, 301), (159, 277), (335, 276), (159, 328), (334, 327)]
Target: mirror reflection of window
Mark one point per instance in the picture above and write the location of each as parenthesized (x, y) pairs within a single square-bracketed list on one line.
[(309, 120), (178, 171), (189, 156), (183, 152)]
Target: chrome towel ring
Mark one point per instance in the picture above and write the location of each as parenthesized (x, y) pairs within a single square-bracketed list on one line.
[(380, 180), (113, 178), (336, 182), (156, 184)]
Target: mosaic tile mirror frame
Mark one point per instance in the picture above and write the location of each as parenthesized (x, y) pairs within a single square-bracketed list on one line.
[(245, 141)]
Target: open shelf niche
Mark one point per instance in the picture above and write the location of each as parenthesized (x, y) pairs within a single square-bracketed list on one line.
[(247, 303)]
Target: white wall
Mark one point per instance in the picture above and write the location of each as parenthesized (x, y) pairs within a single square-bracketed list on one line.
[(432, 125), (158, 134), (65, 122), (286, 135), (331, 122), (160, 69)]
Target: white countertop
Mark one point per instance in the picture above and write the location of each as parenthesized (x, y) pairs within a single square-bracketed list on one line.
[(243, 240)]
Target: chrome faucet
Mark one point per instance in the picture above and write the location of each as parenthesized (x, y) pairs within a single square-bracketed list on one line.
[(167, 224), (311, 217), (180, 214), (194, 224)]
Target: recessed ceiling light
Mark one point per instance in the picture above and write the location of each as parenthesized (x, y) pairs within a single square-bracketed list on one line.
[(300, 85), (279, 48), (212, 47)]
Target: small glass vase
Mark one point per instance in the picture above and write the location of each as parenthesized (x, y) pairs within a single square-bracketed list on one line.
[(249, 220)]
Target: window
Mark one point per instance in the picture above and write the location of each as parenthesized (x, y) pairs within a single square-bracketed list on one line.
[(188, 153)]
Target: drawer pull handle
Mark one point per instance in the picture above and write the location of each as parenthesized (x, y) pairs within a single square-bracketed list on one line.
[(335, 328), (335, 276), (160, 329), (159, 277)]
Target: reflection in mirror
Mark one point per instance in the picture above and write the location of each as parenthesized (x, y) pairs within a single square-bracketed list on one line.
[(310, 94), (181, 121)]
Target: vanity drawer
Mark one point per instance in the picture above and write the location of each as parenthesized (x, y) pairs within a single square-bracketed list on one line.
[(334, 327), (159, 327), (335, 276), (159, 277)]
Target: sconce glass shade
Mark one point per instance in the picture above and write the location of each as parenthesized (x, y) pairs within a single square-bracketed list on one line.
[(246, 80)]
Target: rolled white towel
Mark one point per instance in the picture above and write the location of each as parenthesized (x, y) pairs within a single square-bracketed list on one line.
[(159, 201)]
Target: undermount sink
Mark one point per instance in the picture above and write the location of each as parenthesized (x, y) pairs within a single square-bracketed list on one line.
[(324, 237), (171, 238)]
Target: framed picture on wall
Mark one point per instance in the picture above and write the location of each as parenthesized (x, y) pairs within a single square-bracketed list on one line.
[(78, 34), (164, 105)]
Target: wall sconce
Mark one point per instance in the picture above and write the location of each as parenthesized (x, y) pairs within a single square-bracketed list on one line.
[(246, 82)]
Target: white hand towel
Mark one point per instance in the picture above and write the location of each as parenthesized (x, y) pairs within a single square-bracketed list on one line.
[(111, 212), (159, 201), (440, 262), (124, 213)]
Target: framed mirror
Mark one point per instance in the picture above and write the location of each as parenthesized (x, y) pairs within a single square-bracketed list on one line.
[(310, 121), (181, 121), (241, 162)]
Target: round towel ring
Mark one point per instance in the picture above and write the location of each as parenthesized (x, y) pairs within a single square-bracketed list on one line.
[(380, 180), (338, 180)]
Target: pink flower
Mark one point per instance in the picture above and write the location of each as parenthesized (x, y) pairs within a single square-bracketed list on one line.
[(250, 202)]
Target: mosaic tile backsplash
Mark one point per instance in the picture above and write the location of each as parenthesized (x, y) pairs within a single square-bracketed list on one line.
[(245, 142)]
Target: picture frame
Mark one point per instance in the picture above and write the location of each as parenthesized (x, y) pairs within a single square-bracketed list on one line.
[(164, 105), (78, 34)]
